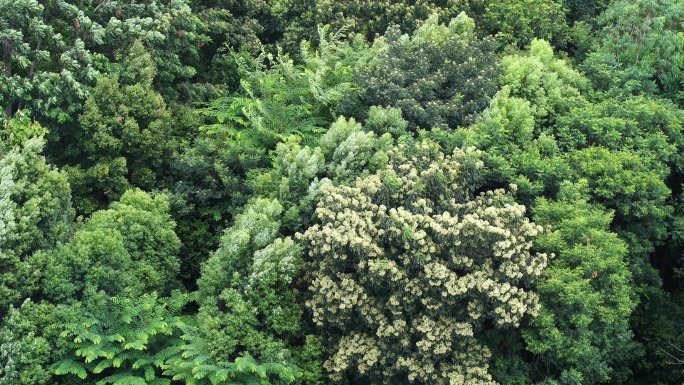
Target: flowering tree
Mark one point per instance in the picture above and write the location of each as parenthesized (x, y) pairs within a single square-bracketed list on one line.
[(408, 270)]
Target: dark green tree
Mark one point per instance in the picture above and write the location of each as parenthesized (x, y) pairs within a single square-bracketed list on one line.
[(297, 20), (173, 35), (518, 22), (273, 103), (440, 76), (127, 135), (46, 66), (584, 10)]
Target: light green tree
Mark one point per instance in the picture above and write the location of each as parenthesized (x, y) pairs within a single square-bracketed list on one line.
[(124, 340), (546, 128), (35, 214), (640, 48), (130, 247), (582, 333), (345, 152), (231, 286), (248, 305), (550, 84), (536, 89), (30, 342)]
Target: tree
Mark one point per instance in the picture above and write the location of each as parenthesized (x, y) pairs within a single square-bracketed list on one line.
[(637, 124), (273, 103), (656, 328), (243, 25), (18, 130), (440, 76), (408, 270), (291, 189), (46, 66), (645, 134), (581, 10), (127, 136), (515, 150), (35, 214), (623, 181), (514, 131), (641, 48), (172, 34), (247, 303), (345, 152), (540, 130), (277, 99), (298, 19), (582, 334), (30, 342), (131, 247), (125, 340), (518, 22), (550, 84)]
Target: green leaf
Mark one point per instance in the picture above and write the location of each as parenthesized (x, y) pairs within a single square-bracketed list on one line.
[(102, 365)]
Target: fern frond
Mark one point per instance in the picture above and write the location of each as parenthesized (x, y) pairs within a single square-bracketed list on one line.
[(167, 353), (102, 365), (70, 367), (140, 362), (162, 381), (338, 36), (149, 373), (123, 379), (116, 338), (135, 345)]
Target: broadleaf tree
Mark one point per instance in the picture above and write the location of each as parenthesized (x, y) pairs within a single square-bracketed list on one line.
[(408, 269)]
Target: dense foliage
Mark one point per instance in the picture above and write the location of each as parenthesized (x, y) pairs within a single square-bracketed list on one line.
[(341, 192)]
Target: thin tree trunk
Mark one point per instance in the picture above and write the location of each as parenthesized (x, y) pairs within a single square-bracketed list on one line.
[(32, 70), (8, 70)]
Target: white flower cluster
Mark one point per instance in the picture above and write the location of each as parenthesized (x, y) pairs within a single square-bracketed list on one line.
[(355, 350)]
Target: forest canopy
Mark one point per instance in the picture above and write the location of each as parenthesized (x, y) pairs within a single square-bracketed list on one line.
[(322, 192)]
